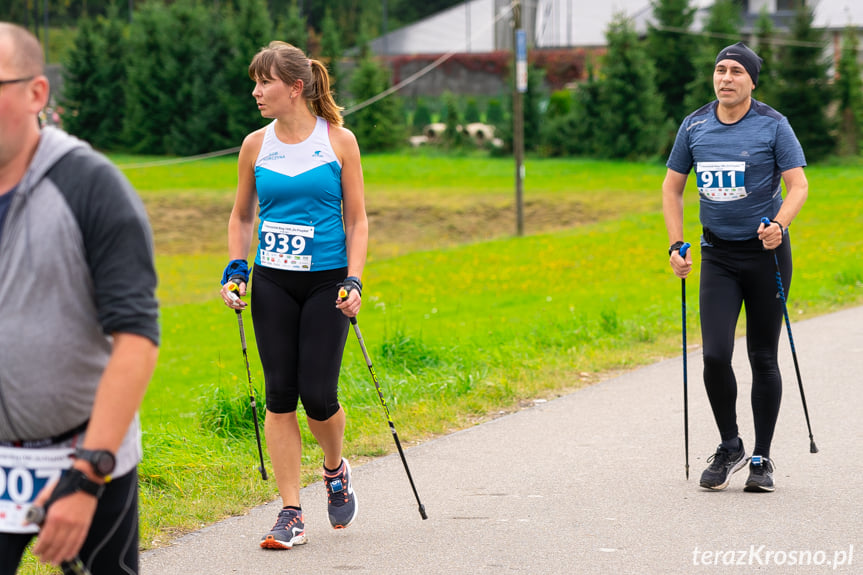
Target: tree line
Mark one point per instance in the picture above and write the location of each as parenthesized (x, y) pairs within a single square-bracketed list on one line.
[(632, 103), (174, 81), (355, 19)]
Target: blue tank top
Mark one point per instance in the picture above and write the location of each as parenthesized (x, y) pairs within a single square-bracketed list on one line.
[(738, 166), (300, 198)]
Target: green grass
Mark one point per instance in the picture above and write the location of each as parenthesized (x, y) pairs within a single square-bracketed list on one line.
[(477, 325)]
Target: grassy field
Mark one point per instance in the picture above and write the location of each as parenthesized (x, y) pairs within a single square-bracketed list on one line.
[(462, 319)]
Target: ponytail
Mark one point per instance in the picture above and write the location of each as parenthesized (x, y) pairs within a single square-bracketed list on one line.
[(321, 96)]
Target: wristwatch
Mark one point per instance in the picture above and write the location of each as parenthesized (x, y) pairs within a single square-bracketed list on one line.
[(101, 460)]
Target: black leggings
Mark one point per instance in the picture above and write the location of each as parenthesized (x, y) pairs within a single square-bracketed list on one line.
[(301, 337), (733, 274), (111, 547)]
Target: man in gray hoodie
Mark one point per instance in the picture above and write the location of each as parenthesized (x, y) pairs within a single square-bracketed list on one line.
[(79, 333)]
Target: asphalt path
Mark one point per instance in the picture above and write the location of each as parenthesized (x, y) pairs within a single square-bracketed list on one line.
[(594, 482)]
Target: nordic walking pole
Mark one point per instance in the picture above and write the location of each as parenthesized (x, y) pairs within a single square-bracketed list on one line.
[(234, 289), (812, 447), (36, 515), (683, 249), (343, 293)]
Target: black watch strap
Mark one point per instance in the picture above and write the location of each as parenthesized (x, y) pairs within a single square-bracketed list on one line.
[(75, 480)]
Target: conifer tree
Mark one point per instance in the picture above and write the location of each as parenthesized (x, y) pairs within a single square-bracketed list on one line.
[(198, 58), (82, 114), (379, 126), (670, 48), (767, 78), (111, 80), (631, 117), (293, 29), (249, 30), (331, 45), (849, 96), (804, 93), (152, 79)]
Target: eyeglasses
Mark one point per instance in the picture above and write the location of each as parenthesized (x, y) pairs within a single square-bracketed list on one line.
[(15, 81)]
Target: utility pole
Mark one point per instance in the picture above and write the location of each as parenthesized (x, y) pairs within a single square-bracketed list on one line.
[(386, 31), (45, 17), (519, 88), (467, 25)]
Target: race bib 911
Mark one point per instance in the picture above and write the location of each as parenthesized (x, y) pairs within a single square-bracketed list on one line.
[(721, 181), (23, 474), (286, 246)]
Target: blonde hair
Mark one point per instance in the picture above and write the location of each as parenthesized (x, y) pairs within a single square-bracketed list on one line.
[(290, 64)]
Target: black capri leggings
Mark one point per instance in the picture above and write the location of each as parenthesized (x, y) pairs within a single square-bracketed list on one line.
[(111, 547), (735, 274), (301, 338)]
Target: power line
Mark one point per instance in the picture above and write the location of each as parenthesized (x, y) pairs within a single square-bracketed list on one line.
[(772, 40)]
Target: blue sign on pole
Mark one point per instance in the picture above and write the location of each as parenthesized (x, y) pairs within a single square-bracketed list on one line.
[(521, 60)]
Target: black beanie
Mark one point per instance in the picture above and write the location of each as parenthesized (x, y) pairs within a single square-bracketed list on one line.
[(740, 52)]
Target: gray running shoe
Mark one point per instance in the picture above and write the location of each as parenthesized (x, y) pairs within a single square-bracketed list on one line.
[(342, 501), (288, 531), (760, 475), (723, 464)]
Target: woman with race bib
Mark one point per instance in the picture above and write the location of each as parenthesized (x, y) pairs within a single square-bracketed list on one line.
[(303, 173), (741, 150)]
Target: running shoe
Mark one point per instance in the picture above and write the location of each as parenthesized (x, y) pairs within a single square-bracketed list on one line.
[(288, 531), (760, 475), (342, 501), (723, 464)]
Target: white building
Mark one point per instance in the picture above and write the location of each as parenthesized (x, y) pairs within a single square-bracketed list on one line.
[(485, 25)]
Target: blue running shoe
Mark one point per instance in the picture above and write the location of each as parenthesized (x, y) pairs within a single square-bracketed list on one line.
[(288, 531), (342, 501)]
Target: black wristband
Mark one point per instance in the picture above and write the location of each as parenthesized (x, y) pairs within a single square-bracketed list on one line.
[(675, 247), (354, 283), (780, 226), (72, 481)]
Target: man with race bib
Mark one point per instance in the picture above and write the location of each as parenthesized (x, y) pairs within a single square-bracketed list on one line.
[(741, 150), (78, 334), (303, 172)]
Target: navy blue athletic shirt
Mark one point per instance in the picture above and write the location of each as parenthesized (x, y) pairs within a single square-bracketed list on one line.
[(738, 166)]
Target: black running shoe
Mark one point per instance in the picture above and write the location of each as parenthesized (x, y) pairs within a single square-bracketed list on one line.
[(342, 502), (723, 464), (760, 475), (288, 531)]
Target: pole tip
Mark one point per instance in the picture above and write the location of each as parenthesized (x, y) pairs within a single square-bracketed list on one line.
[(812, 448), (423, 512), (263, 474)]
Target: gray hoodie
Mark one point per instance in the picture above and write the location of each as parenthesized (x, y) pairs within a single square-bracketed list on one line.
[(76, 265)]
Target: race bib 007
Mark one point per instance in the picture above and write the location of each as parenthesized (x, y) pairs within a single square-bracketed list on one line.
[(23, 474), (286, 246), (721, 181)]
